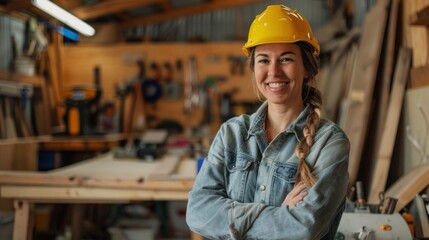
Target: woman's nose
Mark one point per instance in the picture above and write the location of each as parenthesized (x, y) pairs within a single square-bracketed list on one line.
[(274, 68)]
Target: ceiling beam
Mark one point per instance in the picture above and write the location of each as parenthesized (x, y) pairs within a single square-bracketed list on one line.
[(68, 4), (25, 8), (185, 11), (166, 5), (18, 5), (111, 7), (13, 13)]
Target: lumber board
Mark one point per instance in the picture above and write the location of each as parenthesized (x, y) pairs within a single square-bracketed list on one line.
[(96, 195), (381, 96), (138, 119), (349, 67), (56, 77), (382, 92), (9, 123), (15, 77), (339, 47), (22, 220), (384, 155), (108, 166), (356, 115), (82, 143), (328, 32), (169, 173), (42, 114), (22, 120), (165, 168), (409, 185), (24, 177), (334, 88)]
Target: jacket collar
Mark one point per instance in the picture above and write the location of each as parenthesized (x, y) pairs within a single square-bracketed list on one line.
[(257, 122)]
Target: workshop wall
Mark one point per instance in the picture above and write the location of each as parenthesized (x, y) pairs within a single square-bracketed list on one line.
[(220, 72)]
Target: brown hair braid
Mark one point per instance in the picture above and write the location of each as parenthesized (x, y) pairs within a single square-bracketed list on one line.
[(312, 97)]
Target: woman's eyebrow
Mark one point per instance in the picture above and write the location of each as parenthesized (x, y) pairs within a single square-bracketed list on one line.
[(282, 54), (261, 55), (288, 52)]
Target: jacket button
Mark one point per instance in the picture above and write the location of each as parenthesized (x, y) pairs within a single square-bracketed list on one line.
[(262, 188)]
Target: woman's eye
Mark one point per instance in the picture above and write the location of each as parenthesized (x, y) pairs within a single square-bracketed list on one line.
[(286, 60), (263, 61)]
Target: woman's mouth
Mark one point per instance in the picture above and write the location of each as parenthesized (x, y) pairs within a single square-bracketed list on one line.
[(277, 84)]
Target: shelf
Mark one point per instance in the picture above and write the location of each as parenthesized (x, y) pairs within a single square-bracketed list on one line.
[(10, 76)]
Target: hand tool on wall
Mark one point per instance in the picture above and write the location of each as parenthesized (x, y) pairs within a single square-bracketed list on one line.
[(226, 104), (138, 116), (151, 87), (121, 92), (191, 82), (237, 65), (172, 87), (209, 86), (137, 119)]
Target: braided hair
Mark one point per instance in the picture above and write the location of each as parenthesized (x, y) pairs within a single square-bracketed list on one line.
[(311, 97)]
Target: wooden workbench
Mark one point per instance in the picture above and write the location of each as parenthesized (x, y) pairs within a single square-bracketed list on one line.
[(103, 179), (100, 143)]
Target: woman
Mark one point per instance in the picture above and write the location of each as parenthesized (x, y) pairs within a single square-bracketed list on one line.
[(280, 173)]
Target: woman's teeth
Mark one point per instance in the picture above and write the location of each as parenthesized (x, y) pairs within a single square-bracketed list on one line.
[(276, 85)]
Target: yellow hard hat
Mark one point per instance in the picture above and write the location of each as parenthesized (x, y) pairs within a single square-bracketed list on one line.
[(280, 24)]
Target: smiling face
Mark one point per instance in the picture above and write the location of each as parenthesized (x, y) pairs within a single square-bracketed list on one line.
[(279, 73)]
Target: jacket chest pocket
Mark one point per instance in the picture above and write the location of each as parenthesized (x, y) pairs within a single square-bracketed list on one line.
[(283, 181), (238, 169)]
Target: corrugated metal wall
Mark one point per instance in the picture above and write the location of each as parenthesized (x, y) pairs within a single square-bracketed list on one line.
[(225, 25)]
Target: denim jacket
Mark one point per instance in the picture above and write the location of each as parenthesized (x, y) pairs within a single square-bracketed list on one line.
[(244, 179)]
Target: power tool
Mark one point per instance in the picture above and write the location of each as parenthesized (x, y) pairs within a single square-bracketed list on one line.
[(82, 108)]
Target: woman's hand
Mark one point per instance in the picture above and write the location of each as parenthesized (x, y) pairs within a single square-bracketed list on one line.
[(295, 196)]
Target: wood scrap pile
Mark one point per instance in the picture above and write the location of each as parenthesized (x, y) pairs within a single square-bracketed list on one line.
[(364, 81)]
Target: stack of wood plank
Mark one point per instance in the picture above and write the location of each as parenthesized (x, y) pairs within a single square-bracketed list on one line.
[(368, 91)]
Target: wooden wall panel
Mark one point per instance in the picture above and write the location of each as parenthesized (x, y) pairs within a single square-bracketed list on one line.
[(118, 64)]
